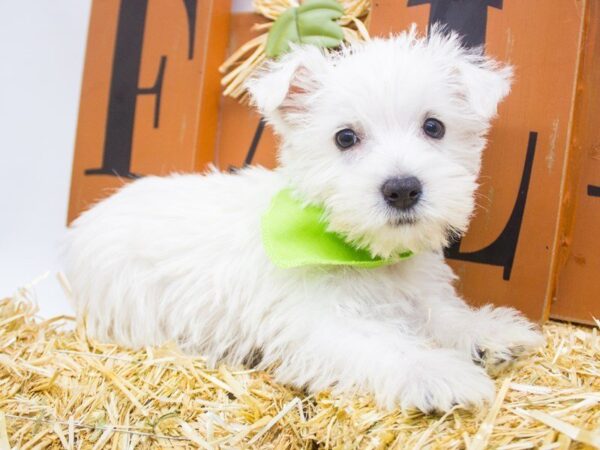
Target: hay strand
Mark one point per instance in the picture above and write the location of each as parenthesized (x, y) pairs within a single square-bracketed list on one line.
[(481, 439), (4, 445)]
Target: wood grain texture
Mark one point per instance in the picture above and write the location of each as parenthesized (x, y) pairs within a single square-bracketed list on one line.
[(541, 40), (191, 37), (576, 292)]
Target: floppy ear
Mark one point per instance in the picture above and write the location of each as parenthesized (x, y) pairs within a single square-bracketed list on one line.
[(284, 87), (485, 83)]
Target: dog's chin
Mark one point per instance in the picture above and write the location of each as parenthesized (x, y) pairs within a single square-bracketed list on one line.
[(412, 232), (401, 219), (404, 220), (393, 232)]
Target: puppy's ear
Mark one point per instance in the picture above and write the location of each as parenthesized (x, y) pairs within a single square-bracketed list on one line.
[(284, 87), (485, 83)]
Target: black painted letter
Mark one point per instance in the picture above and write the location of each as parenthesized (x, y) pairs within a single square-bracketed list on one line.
[(124, 89)]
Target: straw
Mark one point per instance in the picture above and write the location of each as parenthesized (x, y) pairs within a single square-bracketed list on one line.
[(242, 63), (60, 389)]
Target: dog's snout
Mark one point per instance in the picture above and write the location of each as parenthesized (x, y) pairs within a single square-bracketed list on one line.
[(402, 193)]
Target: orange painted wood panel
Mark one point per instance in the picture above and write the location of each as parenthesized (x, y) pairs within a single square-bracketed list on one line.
[(238, 123), (533, 239), (503, 261), (150, 92), (577, 290), (541, 40)]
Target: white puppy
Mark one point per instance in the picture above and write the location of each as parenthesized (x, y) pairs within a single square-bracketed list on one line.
[(386, 137)]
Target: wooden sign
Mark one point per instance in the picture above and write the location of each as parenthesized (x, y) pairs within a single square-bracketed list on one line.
[(507, 256), (243, 137), (150, 92), (576, 293), (151, 105)]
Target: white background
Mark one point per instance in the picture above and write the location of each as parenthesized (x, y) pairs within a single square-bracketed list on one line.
[(42, 46)]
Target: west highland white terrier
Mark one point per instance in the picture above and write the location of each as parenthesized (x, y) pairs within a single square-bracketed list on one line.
[(329, 267)]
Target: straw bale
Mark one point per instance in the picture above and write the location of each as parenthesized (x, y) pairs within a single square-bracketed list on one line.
[(60, 389)]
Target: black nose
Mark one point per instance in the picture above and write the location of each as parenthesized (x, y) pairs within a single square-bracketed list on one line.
[(402, 193)]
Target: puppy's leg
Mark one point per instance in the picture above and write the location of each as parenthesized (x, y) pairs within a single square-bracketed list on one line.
[(351, 353), (493, 337)]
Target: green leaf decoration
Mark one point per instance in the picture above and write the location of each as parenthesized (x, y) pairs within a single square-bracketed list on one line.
[(313, 22)]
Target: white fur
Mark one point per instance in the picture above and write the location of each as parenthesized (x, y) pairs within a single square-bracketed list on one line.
[(180, 258)]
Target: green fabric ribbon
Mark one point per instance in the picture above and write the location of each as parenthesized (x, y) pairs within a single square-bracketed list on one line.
[(295, 235)]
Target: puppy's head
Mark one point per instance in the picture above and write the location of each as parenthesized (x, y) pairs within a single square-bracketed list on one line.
[(387, 134)]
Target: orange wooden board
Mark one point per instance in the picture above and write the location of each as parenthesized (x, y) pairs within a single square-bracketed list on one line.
[(238, 122), (538, 111), (541, 40), (150, 92), (532, 159), (577, 294)]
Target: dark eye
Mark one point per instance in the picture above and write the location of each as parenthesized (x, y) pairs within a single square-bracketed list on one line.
[(434, 128), (346, 138)]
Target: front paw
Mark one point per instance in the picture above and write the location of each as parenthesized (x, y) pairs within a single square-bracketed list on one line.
[(505, 335), (443, 379)]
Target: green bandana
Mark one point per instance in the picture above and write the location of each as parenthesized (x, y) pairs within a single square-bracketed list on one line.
[(295, 236)]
